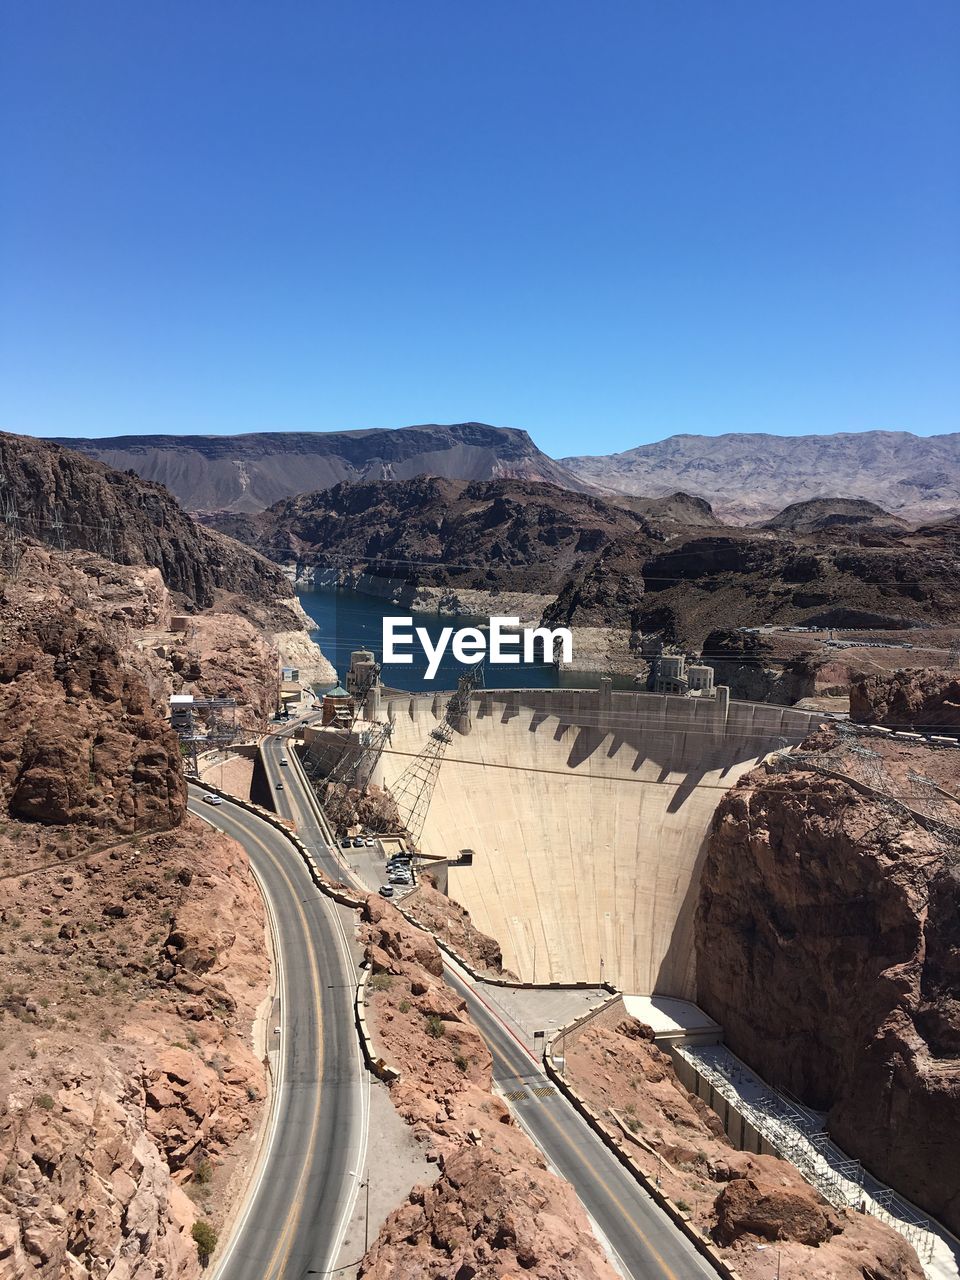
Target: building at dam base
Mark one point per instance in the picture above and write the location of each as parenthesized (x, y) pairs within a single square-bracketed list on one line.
[(587, 813)]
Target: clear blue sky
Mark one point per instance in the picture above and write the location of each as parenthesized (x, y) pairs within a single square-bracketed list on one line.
[(605, 223)]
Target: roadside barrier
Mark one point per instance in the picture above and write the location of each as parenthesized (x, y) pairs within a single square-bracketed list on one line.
[(613, 1140)]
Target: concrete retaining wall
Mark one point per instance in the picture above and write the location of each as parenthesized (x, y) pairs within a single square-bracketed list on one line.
[(612, 1139)]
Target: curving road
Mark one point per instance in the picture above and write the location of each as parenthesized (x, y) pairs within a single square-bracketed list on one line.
[(640, 1236), (297, 1208), (643, 1240)]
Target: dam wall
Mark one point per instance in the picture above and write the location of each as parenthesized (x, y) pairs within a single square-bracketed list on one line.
[(587, 812)]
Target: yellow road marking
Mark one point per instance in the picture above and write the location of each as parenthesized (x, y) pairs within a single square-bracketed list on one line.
[(293, 1214), (545, 1112)]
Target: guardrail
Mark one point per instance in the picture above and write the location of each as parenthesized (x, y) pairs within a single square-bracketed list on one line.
[(373, 1060), (612, 1139)]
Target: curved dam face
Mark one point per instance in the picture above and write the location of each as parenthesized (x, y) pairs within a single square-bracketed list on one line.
[(587, 813)]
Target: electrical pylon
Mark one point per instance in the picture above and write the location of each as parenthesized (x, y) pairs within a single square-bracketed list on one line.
[(413, 790)]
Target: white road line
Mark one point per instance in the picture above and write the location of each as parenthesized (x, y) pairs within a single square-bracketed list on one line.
[(253, 1186)]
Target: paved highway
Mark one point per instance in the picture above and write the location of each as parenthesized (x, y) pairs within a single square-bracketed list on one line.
[(644, 1241), (298, 1206), (640, 1235)]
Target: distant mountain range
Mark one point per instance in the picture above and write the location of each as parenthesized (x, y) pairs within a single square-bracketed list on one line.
[(246, 473), (746, 478)]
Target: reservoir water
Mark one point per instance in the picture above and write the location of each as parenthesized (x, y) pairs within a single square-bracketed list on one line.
[(348, 620)]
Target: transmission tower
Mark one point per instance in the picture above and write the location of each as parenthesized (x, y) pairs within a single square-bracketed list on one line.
[(324, 759), (56, 523), (928, 798), (413, 790), (355, 767), (12, 533)]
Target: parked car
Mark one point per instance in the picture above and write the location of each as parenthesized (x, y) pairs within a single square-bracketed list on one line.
[(346, 844), (211, 799), (369, 842), (386, 890)]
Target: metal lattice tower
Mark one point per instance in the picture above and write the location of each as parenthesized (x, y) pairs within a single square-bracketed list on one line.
[(12, 533), (930, 799), (413, 790), (57, 525), (355, 767), (326, 761), (221, 726)]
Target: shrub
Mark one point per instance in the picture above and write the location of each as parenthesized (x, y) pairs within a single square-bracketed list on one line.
[(206, 1240), (44, 1100), (461, 1062), (404, 1006), (381, 982), (683, 1206), (203, 1172), (435, 1026)]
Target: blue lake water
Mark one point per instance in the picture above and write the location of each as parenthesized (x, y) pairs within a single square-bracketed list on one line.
[(348, 620)]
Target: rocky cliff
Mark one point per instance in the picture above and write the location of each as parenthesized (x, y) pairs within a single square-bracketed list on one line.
[(920, 699), (65, 500), (741, 1200), (249, 472), (828, 946), (83, 743)]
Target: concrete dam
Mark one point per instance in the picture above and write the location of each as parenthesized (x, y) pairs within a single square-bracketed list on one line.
[(587, 812)]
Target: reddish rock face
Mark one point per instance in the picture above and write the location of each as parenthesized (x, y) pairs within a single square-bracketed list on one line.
[(828, 946), (923, 698), (495, 1210), (82, 743), (758, 1205)]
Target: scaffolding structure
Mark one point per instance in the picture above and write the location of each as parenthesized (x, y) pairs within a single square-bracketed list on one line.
[(796, 1133), (218, 729)]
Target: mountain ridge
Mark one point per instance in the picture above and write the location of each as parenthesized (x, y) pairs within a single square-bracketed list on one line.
[(746, 477)]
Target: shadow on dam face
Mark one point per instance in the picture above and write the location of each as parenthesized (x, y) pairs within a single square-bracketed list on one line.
[(588, 814)]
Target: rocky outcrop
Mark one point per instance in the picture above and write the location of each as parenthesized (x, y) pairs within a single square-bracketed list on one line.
[(828, 946), (741, 1200), (907, 699), (503, 535), (451, 922), (495, 1210), (65, 499), (128, 1078), (83, 742)]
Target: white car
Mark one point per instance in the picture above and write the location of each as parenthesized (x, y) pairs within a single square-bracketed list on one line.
[(283, 760), (211, 799)]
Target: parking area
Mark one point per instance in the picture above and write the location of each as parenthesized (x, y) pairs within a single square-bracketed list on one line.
[(369, 863)]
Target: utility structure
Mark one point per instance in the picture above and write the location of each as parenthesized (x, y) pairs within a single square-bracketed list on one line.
[(327, 758), (219, 724), (413, 789), (11, 530)]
